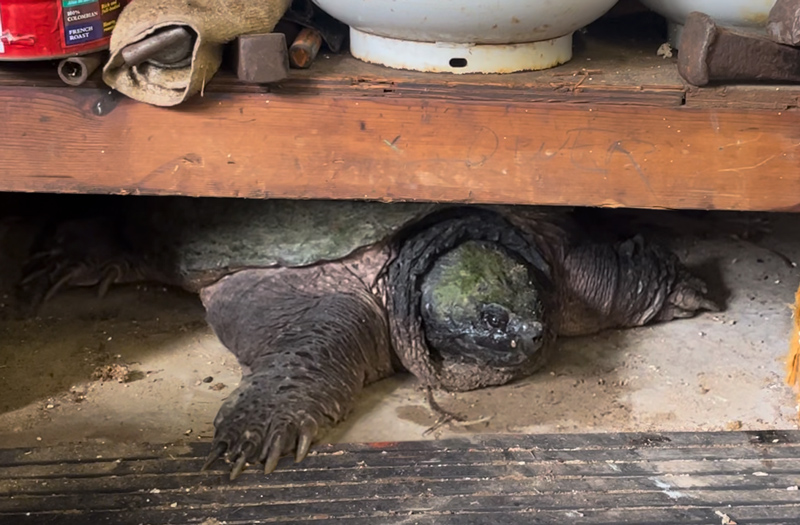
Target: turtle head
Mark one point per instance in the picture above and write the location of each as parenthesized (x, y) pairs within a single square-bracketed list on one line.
[(482, 306)]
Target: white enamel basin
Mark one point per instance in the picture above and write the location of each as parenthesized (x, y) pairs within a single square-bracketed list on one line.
[(465, 36), (737, 13)]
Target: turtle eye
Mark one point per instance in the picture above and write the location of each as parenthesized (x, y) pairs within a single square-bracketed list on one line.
[(494, 316)]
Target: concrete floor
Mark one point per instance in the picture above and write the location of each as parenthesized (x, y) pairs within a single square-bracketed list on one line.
[(714, 372)]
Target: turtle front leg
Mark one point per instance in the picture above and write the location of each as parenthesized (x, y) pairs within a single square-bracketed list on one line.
[(80, 253), (627, 284), (309, 340)]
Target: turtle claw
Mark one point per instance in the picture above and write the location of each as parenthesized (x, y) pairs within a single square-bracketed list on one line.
[(217, 453), (81, 253), (304, 443), (238, 467), (709, 306), (257, 426), (44, 281), (49, 277), (113, 274), (32, 276), (275, 453), (66, 278)]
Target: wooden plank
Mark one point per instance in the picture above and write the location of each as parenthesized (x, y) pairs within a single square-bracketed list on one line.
[(297, 146), (766, 97), (89, 453), (605, 69), (600, 71), (26, 480), (481, 479), (134, 476), (55, 494), (255, 504), (788, 456), (779, 515), (615, 126)]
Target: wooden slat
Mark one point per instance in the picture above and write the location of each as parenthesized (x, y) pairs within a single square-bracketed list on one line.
[(659, 479), (765, 97), (297, 146), (600, 71)]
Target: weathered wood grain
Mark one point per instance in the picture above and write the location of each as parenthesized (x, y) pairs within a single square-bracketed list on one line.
[(588, 479), (601, 70), (616, 126), (316, 146)]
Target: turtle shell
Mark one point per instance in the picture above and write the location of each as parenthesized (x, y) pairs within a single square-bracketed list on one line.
[(199, 238)]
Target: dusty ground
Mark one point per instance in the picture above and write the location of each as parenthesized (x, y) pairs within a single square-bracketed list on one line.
[(141, 365)]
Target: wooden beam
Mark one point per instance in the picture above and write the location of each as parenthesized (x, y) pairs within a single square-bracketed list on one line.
[(395, 148)]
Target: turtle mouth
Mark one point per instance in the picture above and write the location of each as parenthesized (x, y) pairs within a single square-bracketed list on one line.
[(510, 349), (528, 341)]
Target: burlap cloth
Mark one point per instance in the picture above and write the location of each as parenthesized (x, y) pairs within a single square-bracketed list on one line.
[(214, 21)]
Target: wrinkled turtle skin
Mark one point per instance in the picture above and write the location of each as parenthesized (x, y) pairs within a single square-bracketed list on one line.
[(318, 299)]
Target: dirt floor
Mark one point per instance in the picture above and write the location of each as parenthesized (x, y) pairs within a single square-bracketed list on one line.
[(142, 366)]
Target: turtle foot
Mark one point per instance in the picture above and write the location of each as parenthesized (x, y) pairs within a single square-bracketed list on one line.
[(41, 284), (688, 297), (257, 424), (81, 253)]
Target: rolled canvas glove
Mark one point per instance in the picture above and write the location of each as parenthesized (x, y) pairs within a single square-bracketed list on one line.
[(214, 22)]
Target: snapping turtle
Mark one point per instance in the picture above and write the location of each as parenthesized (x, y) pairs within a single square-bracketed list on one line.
[(319, 298)]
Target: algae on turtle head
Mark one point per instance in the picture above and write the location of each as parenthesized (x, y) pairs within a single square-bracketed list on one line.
[(482, 304)]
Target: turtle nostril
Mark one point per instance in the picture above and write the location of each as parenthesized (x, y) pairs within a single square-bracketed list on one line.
[(531, 330)]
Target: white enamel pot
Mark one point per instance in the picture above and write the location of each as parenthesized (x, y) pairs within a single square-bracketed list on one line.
[(742, 14), (465, 36)]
